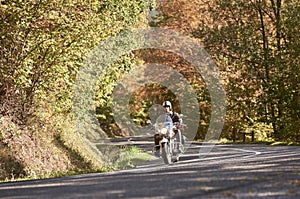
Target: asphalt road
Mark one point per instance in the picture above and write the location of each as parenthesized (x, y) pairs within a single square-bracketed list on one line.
[(228, 171)]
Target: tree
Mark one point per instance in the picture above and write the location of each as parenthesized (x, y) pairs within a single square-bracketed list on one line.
[(253, 42), (43, 45)]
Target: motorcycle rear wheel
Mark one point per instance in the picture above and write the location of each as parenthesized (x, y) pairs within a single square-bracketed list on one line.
[(166, 154)]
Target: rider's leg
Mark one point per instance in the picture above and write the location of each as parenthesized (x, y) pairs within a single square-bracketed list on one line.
[(180, 140), (156, 142)]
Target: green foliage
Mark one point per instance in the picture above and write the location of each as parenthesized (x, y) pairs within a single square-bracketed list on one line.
[(262, 132), (130, 157), (43, 44), (255, 46), (103, 98)]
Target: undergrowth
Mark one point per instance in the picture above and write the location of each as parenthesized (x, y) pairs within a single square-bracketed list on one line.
[(27, 154), (130, 157)]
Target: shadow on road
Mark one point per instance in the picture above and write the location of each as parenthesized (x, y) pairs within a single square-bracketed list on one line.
[(227, 172)]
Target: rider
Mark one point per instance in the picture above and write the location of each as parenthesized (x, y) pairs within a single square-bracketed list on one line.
[(170, 115)]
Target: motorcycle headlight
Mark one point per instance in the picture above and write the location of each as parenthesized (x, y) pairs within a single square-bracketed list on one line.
[(164, 131)]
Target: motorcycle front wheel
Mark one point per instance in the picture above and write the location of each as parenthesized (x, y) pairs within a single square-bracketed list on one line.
[(166, 154)]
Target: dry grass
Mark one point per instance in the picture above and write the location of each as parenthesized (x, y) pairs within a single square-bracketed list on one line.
[(28, 153)]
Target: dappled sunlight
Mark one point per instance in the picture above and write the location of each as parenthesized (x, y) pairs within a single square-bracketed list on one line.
[(223, 174)]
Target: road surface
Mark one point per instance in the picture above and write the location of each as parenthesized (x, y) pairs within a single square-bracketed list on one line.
[(228, 171)]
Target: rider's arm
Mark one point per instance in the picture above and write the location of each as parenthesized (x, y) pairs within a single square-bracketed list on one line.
[(175, 117)]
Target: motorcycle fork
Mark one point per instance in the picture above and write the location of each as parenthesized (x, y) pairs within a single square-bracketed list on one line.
[(162, 143)]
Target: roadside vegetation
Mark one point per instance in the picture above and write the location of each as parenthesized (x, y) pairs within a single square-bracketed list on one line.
[(254, 43), (43, 44)]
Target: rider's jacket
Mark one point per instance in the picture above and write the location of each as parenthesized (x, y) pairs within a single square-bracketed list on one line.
[(172, 116)]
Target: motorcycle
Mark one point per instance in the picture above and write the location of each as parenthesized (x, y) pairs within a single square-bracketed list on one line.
[(171, 139)]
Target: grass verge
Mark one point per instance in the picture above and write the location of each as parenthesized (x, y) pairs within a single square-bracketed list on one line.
[(131, 157), (272, 143)]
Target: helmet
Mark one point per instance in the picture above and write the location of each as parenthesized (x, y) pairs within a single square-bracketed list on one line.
[(167, 103)]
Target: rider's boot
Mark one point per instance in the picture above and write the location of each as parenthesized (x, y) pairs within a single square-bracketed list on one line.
[(157, 151)]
